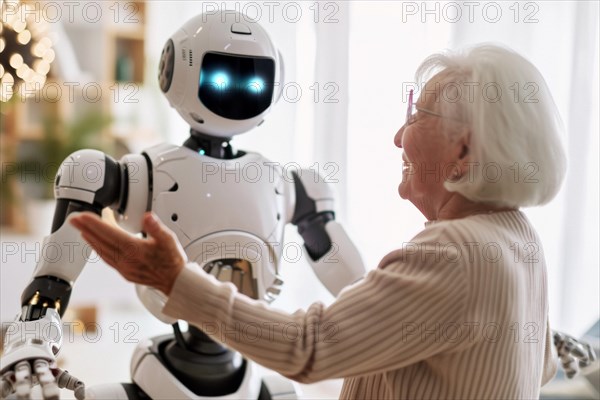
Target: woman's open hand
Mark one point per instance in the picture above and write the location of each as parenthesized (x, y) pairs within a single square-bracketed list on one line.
[(155, 261)]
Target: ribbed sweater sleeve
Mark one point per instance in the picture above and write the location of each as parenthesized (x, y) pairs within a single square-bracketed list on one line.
[(370, 328), (550, 358)]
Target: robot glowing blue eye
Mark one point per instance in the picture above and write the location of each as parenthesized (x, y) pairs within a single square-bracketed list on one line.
[(236, 87), (255, 85), (219, 80)]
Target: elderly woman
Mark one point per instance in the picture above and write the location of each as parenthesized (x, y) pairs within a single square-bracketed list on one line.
[(461, 311)]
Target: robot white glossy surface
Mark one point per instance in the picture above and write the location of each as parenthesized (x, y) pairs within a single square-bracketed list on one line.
[(228, 209)]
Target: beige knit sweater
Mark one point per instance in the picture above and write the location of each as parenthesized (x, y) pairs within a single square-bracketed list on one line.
[(460, 312)]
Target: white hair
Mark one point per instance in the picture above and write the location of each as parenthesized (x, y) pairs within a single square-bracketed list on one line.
[(515, 128)]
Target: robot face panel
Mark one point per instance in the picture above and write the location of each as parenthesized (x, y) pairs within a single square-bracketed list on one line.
[(236, 87), (220, 74)]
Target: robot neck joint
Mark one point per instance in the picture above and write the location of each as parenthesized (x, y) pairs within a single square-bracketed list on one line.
[(211, 146)]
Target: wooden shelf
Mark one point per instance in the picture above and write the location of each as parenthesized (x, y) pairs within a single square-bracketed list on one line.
[(112, 53), (126, 53), (129, 59)]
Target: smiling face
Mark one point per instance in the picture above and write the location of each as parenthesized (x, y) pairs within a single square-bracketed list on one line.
[(431, 156)]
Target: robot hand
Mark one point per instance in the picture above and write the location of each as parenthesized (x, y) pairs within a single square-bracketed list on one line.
[(29, 359), (331, 253), (572, 353), (51, 380)]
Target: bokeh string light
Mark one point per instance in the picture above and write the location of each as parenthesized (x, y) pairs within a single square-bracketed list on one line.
[(25, 49)]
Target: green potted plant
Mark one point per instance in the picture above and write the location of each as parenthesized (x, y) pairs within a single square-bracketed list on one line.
[(37, 161)]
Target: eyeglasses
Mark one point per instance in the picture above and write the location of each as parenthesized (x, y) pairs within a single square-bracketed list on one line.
[(411, 112)]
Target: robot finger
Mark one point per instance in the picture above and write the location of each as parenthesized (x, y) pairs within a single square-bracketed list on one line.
[(570, 365), (591, 353), (50, 390), (566, 359), (23, 380), (577, 349), (560, 342), (236, 278), (558, 337), (249, 286), (6, 384), (66, 380), (208, 268), (564, 348), (225, 274), (214, 268)]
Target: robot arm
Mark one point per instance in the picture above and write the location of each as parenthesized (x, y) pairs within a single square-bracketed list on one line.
[(332, 255), (88, 180)]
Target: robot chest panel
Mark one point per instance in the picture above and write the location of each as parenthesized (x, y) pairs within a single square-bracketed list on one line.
[(197, 195)]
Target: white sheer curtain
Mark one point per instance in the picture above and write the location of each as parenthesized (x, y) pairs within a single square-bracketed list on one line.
[(387, 40), (352, 62)]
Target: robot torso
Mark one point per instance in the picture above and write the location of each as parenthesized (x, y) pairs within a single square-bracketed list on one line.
[(224, 212)]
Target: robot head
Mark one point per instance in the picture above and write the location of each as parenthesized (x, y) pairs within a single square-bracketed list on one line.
[(219, 72)]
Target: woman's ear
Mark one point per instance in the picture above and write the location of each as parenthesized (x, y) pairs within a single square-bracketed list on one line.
[(463, 153)]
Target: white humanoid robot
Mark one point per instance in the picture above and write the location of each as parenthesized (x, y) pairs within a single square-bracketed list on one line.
[(220, 74)]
